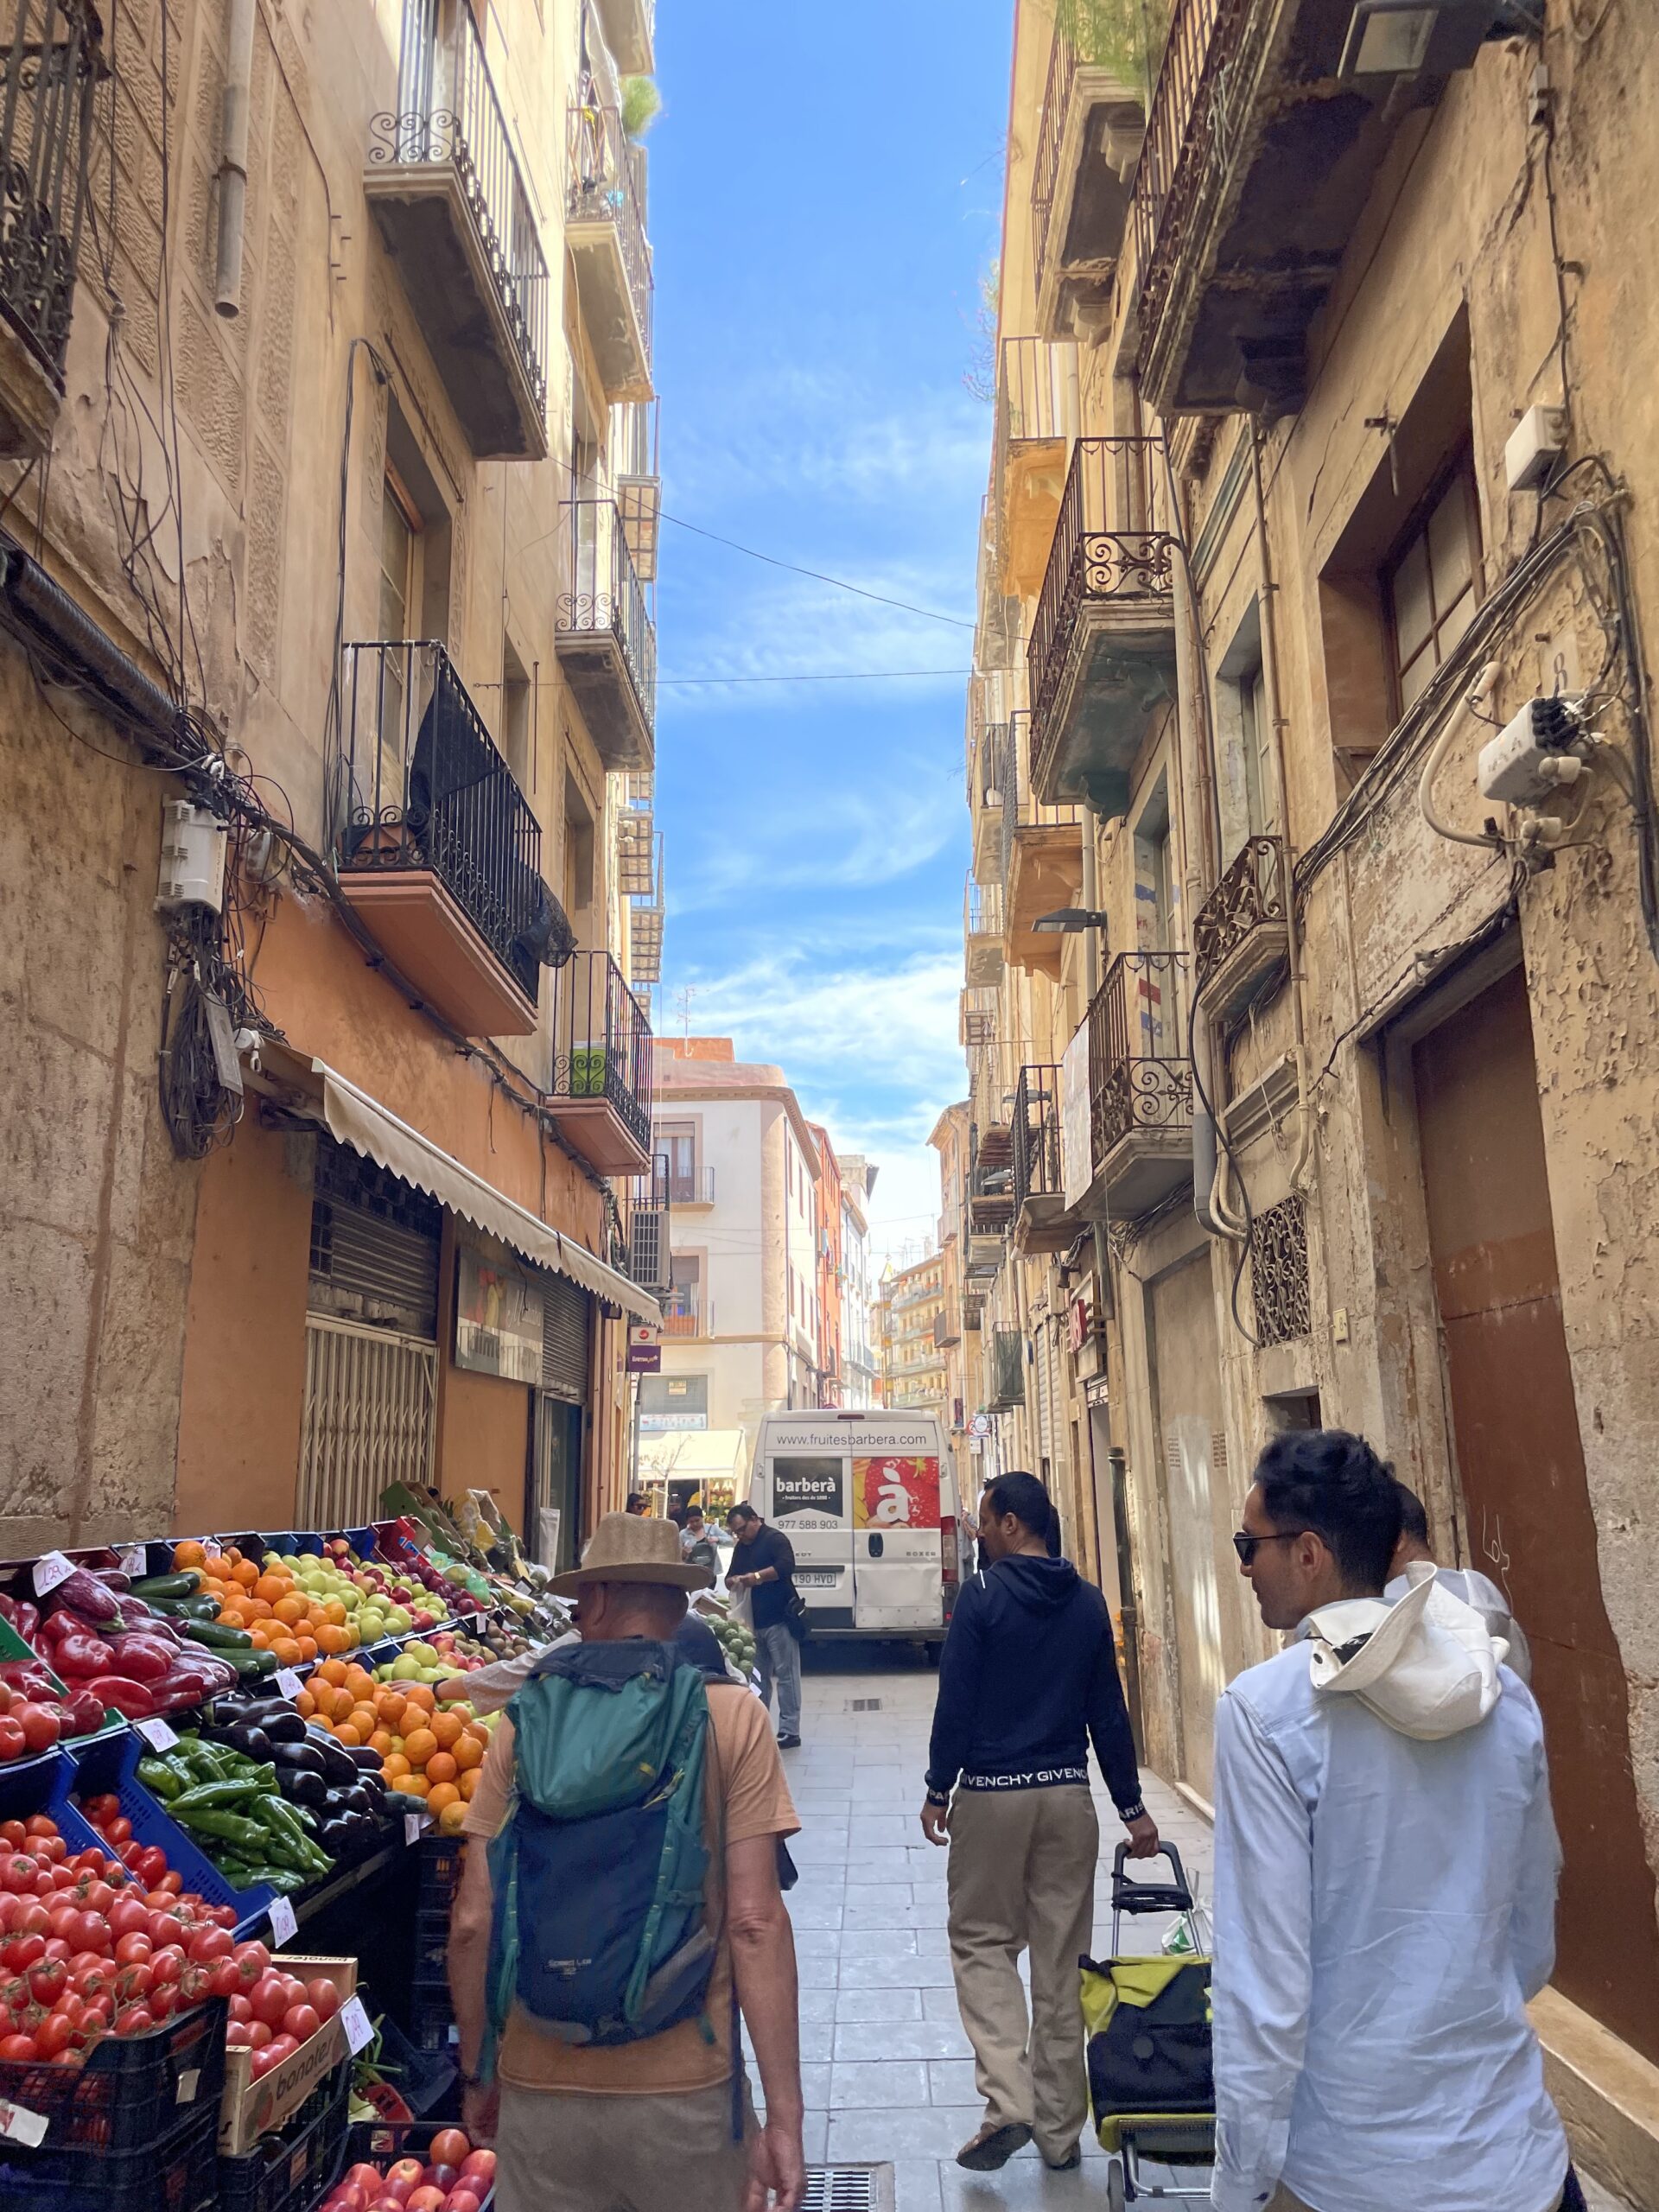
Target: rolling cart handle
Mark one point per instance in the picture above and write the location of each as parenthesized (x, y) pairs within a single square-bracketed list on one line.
[(1135, 1897)]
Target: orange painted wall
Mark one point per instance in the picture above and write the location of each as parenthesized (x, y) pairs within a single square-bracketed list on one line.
[(244, 1383), (483, 1439)]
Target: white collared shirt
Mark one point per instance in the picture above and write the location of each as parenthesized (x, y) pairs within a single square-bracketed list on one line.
[(1384, 1909)]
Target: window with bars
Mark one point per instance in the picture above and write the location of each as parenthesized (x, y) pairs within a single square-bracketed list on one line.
[(1278, 1281)]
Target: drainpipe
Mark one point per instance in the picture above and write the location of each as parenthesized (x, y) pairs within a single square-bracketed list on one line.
[(233, 161), (1292, 932)]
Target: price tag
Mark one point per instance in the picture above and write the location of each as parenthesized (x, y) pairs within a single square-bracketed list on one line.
[(289, 1682), (359, 2031), (19, 2124), (50, 1569), (189, 2082), (480, 1622), (415, 1826), (283, 1926), (156, 1734), (133, 1561)]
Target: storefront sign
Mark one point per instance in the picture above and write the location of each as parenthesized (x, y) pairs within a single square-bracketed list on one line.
[(808, 1486), (1079, 1324), (643, 1358), (1077, 1163), (497, 1317)]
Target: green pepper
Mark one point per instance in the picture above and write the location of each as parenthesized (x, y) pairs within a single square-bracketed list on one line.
[(159, 1779), (207, 1819), (214, 1796)]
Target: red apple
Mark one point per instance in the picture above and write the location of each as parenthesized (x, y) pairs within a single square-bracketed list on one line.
[(479, 2165)]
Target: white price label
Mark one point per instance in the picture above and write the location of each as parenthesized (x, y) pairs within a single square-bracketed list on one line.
[(19, 2124), (415, 1826), (50, 1569), (289, 1682), (283, 1926), (189, 2082), (480, 1622), (134, 1558), (359, 2030), (156, 1734)]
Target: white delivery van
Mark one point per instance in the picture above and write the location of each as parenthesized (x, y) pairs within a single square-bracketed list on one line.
[(869, 1502)]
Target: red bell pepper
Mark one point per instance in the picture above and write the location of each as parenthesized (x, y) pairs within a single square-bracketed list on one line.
[(83, 1654), (139, 1658), (133, 1699)]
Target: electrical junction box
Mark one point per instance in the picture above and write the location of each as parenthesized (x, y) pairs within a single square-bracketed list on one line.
[(1536, 445), (1533, 755), (193, 858)]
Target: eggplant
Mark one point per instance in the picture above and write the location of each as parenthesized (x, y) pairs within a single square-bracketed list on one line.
[(301, 1787), (363, 1758), (298, 1758), (356, 1801), (277, 1717), (338, 1765), (251, 1742)]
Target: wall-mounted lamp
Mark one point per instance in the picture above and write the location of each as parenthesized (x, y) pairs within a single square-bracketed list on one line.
[(1407, 38), (1066, 921)]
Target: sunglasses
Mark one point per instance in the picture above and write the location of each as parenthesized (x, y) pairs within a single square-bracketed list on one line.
[(1245, 1545)]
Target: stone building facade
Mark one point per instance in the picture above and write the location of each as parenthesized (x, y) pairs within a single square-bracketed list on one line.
[(1311, 989)]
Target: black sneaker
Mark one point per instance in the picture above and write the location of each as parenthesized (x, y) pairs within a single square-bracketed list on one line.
[(993, 2147), (789, 1743), (1068, 2164)]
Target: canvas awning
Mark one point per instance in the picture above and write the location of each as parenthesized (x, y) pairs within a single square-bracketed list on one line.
[(353, 1117)]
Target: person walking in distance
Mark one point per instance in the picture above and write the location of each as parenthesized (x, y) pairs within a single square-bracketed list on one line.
[(1028, 1678), (1465, 1582), (620, 1907), (765, 1566), (1386, 1864)]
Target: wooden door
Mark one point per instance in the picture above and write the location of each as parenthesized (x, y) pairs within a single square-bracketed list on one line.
[(1521, 1461)]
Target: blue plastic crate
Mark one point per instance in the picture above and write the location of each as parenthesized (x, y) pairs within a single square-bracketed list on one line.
[(111, 1765)]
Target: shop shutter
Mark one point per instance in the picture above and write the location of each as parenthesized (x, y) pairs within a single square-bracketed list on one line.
[(566, 1317), (369, 1402), (374, 1245)]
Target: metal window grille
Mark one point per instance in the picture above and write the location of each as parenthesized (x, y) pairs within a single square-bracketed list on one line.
[(1279, 1272), (370, 1399)]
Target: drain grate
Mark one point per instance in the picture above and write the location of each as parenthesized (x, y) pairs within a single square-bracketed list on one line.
[(848, 2189), (864, 1705)]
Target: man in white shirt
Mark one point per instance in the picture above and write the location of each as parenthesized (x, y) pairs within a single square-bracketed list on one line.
[(1465, 1582), (1386, 1865)]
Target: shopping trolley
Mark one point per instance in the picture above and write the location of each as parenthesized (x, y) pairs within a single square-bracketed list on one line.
[(1147, 2017)]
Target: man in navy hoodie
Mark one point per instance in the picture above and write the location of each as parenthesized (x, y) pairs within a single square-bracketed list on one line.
[(1027, 1677)]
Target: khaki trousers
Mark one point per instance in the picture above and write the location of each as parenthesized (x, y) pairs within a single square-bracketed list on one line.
[(1022, 1878), (559, 2151)]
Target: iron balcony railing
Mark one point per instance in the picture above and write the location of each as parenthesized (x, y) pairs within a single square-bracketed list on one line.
[(51, 66), (1037, 1134), (1008, 1371), (993, 757), (1250, 896), (448, 115), (426, 788), (1021, 809), (1189, 130), (691, 1186), (603, 594), (606, 184), (1139, 1068), (1037, 392), (1102, 550), (1063, 65), (683, 1311), (981, 909), (601, 1042)]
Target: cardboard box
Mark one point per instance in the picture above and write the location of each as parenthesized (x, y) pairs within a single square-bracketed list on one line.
[(249, 2108)]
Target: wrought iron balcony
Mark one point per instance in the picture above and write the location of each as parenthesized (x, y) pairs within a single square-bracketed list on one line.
[(605, 233), (604, 636), (1139, 1082), (1258, 162), (438, 850), (976, 1016), (1240, 940), (450, 200), (1088, 141), (691, 1186), (1037, 416), (1042, 857), (52, 73), (647, 1226), (1102, 643), (1041, 1221), (947, 1328), (990, 1180), (683, 1311), (1007, 1376), (987, 801), (600, 1091), (629, 27), (981, 925), (638, 473)]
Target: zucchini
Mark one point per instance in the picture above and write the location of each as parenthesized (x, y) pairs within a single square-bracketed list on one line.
[(218, 1636), (184, 1583)]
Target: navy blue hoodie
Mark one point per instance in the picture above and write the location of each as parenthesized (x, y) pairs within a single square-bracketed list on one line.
[(1027, 1677)]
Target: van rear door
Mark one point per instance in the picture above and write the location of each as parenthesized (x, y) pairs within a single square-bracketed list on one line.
[(896, 1550), (810, 1505)]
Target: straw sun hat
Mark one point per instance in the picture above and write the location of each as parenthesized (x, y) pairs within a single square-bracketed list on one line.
[(628, 1547)]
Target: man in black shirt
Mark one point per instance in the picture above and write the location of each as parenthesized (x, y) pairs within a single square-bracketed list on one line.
[(765, 1568)]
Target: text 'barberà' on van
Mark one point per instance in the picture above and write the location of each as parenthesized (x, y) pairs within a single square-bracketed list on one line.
[(869, 1502)]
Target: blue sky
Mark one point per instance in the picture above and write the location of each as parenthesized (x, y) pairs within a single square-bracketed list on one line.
[(825, 194)]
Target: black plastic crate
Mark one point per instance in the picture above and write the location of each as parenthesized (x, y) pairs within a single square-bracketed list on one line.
[(131, 2089), (431, 2028), (431, 1940), (381, 2142), (295, 2169), (422, 2078), (179, 2174), (441, 1858)]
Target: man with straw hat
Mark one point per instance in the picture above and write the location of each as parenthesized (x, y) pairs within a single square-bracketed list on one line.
[(633, 2123)]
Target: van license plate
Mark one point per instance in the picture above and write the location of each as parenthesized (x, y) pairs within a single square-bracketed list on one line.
[(808, 1579)]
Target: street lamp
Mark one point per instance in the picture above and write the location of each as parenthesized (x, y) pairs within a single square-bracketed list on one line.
[(1066, 921), (1404, 38)]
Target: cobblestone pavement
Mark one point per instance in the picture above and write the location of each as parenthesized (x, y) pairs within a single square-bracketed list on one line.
[(888, 2072)]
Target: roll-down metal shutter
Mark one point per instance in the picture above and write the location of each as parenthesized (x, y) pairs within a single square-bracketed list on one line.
[(567, 1319), (374, 1245)]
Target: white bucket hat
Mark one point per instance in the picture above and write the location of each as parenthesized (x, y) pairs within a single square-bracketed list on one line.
[(1427, 1666)]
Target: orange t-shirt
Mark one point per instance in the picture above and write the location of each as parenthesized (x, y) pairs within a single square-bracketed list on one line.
[(743, 1763)]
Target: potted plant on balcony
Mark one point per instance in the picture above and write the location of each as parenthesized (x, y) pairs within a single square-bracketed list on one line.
[(1126, 36)]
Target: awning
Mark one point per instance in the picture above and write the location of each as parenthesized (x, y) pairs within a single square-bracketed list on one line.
[(353, 1118)]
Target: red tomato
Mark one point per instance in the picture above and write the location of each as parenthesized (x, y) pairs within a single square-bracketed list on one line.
[(18, 1872), (101, 1809), (41, 1727), (62, 1920), (20, 1953), (300, 2022), (55, 2035), (99, 1897), (239, 2008), (137, 2020), (258, 2034), (323, 1997), (167, 1963), (94, 1933), (13, 1742), (238, 2036), (149, 1864), (57, 1949), (222, 1916), (207, 1944), (448, 2148), (53, 1848), (171, 1882), (164, 1998), (49, 1980), (12, 1834), (18, 2049), (270, 1999), (64, 1878), (252, 1960), (33, 1918), (118, 1830), (132, 1948), (223, 1981), (166, 1928), (283, 2045), (261, 2063), (127, 1916)]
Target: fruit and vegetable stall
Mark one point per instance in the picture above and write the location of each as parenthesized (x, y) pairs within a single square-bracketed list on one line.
[(230, 1800)]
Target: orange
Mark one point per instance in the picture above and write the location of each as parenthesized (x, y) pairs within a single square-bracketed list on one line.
[(468, 1755), (440, 1767), (189, 1554), (358, 1679), (409, 1717), (245, 1572), (381, 1741), (442, 1794), (331, 1639), (307, 1647), (344, 1733), (394, 1764), (335, 1612), (289, 1609), (413, 1785), (261, 1641), (288, 1651), (389, 1703), (363, 1718), (332, 1672), (467, 1783), (305, 1705), (450, 1819), (420, 1694), (259, 1608), (216, 1567), (272, 1587), (419, 1747), (447, 1728)]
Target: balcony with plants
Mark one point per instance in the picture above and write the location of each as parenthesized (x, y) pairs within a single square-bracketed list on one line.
[(605, 235), (1269, 124), (1101, 653), (1101, 66), (1139, 1083), (437, 850), (600, 1086), (1042, 858), (447, 193), (54, 84), (605, 633)]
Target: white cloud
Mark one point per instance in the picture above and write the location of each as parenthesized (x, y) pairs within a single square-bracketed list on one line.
[(821, 839), (877, 1034)]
